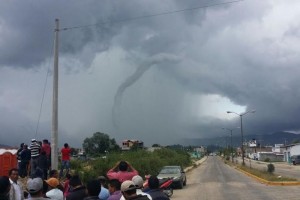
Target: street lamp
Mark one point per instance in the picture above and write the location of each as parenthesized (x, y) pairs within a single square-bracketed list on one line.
[(241, 117), (230, 142)]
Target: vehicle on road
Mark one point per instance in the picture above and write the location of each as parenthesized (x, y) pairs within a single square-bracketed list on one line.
[(295, 159), (176, 173)]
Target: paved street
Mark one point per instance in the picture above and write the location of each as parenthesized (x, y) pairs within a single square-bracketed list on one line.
[(214, 180)]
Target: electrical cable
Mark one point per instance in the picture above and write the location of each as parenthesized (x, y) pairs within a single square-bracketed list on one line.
[(45, 85), (149, 16)]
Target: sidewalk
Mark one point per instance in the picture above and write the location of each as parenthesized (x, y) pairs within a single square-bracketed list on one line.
[(195, 164)]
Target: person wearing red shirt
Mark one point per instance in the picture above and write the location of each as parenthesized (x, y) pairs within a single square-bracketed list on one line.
[(122, 171), (65, 159)]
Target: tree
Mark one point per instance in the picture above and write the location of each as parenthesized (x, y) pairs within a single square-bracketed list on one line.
[(99, 143)]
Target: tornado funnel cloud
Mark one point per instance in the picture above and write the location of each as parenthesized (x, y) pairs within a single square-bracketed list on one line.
[(133, 78)]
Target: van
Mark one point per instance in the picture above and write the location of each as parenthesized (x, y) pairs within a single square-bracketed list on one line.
[(295, 159)]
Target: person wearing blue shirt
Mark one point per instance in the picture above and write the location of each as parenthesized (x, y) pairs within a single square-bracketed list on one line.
[(104, 193)]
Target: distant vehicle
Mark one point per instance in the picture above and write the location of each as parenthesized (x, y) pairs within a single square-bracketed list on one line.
[(295, 159), (175, 172)]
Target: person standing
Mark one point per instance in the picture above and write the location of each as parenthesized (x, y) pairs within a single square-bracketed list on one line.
[(19, 156), (35, 188), (43, 164), (93, 190), (122, 171), (54, 192), (35, 149), (104, 193), (78, 191), (25, 159), (129, 191), (114, 187), (16, 191), (4, 188), (155, 192), (65, 159), (47, 148)]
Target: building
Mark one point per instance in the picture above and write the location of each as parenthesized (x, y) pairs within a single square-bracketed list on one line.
[(128, 144)]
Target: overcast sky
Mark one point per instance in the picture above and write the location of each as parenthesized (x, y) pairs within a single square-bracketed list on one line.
[(160, 79)]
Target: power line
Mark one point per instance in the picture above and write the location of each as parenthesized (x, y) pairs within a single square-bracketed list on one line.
[(149, 16), (44, 91)]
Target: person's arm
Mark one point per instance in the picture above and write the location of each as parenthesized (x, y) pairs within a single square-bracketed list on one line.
[(111, 174), (131, 169)]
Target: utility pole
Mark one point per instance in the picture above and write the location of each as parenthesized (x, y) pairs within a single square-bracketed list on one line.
[(54, 135)]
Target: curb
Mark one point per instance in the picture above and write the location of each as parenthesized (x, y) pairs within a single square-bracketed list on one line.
[(275, 183), (196, 164)]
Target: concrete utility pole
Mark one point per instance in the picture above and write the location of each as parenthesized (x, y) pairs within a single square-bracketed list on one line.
[(54, 135)]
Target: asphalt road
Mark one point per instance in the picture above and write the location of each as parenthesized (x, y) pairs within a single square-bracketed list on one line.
[(214, 180)]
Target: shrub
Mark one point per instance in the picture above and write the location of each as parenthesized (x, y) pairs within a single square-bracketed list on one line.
[(271, 168), (267, 160)]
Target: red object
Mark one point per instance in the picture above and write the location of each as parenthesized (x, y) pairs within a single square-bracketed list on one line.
[(47, 149), (65, 153), (163, 183), (7, 162)]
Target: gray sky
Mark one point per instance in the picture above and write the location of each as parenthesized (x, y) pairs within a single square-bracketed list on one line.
[(158, 79)]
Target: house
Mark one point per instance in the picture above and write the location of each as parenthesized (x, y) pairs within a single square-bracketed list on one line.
[(291, 150), (128, 144)]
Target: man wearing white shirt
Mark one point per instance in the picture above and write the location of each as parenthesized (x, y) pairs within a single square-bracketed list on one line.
[(16, 191)]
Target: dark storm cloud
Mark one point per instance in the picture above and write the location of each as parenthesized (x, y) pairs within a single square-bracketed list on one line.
[(245, 52)]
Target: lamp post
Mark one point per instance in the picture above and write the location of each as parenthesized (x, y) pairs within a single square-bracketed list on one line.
[(231, 149), (241, 117)]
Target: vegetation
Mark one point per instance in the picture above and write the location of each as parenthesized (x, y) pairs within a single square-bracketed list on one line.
[(143, 161), (98, 144), (265, 174)]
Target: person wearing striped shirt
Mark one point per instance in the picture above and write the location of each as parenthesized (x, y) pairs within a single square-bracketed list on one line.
[(35, 149)]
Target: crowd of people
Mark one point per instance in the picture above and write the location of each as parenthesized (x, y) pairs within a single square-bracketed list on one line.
[(121, 182)]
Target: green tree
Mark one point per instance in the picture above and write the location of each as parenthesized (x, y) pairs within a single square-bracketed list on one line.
[(99, 143)]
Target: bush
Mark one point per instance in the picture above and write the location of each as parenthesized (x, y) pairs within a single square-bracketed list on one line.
[(267, 160), (143, 161), (271, 168)]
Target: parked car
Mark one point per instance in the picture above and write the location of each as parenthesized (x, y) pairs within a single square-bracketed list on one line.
[(295, 159), (175, 172)]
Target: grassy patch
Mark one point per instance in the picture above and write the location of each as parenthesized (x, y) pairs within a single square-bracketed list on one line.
[(265, 175)]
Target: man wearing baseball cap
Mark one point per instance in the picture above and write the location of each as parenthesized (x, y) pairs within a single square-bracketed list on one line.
[(35, 188), (128, 190), (54, 192)]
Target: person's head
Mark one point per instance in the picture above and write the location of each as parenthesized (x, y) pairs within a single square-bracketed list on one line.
[(52, 182), (102, 180), (128, 189), (93, 187), (66, 145), (33, 140), (53, 173), (25, 146), (45, 141), (123, 166), (138, 181), (35, 187), (114, 185), (4, 187), (153, 182), (75, 181), (22, 145), (13, 174), (68, 176)]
